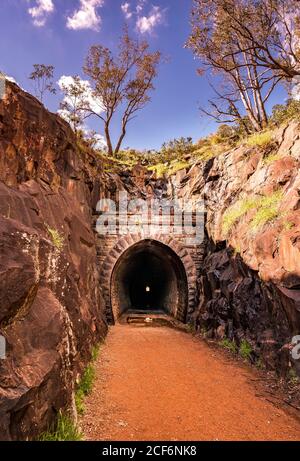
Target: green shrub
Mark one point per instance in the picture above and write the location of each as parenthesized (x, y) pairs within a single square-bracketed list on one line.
[(262, 139), (268, 210), (177, 166), (229, 345), (284, 112), (236, 211), (245, 350), (259, 364), (271, 158), (293, 377), (64, 431), (288, 225), (160, 169), (85, 385), (95, 352), (79, 401), (56, 238), (204, 153), (84, 388), (87, 380)]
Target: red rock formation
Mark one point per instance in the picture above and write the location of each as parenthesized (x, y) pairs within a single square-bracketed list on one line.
[(251, 277), (51, 310)]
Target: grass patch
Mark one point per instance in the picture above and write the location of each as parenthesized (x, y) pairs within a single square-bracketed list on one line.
[(268, 210), (259, 364), (95, 352), (271, 158), (238, 210), (160, 169), (168, 169), (85, 385), (245, 350), (229, 345), (56, 237), (87, 379), (64, 431), (288, 225), (262, 139), (84, 388), (293, 377), (177, 166), (210, 150)]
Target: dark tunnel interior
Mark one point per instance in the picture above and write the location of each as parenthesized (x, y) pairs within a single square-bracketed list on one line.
[(149, 277)]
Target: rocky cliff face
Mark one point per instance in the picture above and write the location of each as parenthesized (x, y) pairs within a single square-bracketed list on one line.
[(51, 310), (250, 283), (51, 307)]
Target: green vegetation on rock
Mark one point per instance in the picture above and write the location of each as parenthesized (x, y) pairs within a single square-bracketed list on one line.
[(262, 139), (65, 430), (56, 237), (245, 350), (267, 209), (85, 385), (229, 345), (239, 209)]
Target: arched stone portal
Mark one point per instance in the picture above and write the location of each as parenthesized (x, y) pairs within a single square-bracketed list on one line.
[(148, 274), (149, 277)]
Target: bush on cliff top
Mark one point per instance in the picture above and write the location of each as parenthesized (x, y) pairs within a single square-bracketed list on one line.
[(262, 139), (285, 112)]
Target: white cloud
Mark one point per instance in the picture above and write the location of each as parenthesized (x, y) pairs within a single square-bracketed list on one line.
[(140, 6), (66, 81), (97, 140), (41, 11), (146, 24), (87, 99), (86, 17), (125, 7)]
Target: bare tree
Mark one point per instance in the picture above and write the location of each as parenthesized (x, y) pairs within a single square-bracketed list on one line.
[(271, 32), (226, 49), (121, 82), (224, 107), (42, 77), (75, 106)]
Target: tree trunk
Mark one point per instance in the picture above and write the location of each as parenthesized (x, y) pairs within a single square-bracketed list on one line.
[(262, 110), (121, 138), (110, 150)]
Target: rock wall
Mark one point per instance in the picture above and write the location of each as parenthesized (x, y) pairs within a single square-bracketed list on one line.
[(250, 282), (51, 305), (51, 308)]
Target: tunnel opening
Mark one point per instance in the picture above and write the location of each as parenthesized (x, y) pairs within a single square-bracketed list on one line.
[(149, 277)]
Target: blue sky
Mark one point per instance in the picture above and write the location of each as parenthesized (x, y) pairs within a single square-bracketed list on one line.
[(60, 32)]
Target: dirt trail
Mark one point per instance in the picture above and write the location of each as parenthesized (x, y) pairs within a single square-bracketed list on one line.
[(163, 384)]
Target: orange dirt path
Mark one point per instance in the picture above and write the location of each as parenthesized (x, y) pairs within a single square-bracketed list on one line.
[(164, 384)]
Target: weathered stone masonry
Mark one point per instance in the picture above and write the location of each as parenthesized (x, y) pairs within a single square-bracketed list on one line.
[(111, 247)]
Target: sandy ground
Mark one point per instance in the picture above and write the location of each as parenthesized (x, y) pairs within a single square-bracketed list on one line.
[(164, 384)]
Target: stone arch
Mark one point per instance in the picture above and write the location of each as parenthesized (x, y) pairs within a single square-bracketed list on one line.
[(128, 241)]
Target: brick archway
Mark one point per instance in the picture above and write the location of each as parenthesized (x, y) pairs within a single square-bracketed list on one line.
[(128, 241)]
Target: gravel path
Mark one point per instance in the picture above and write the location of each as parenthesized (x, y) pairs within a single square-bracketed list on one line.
[(163, 384)]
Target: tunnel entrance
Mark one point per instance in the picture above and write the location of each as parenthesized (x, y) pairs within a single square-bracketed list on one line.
[(149, 277)]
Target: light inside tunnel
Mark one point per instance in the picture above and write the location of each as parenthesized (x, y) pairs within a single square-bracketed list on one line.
[(149, 277)]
